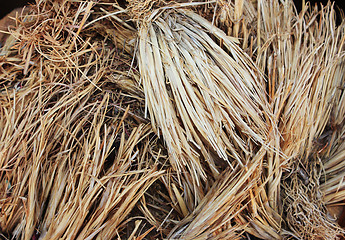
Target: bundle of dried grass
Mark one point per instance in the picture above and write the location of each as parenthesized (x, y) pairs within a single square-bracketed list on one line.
[(75, 149), (221, 213), (202, 98), (303, 97)]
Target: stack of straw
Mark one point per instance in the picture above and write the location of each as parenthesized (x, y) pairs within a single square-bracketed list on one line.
[(148, 119)]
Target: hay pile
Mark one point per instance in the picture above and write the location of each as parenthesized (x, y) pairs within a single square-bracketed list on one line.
[(179, 120)]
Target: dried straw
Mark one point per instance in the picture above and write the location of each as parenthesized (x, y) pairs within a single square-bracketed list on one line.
[(179, 120), (73, 139), (200, 97)]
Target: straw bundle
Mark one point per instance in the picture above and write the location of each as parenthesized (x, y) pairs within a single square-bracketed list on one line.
[(199, 95), (178, 120), (303, 98), (69, 152)]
